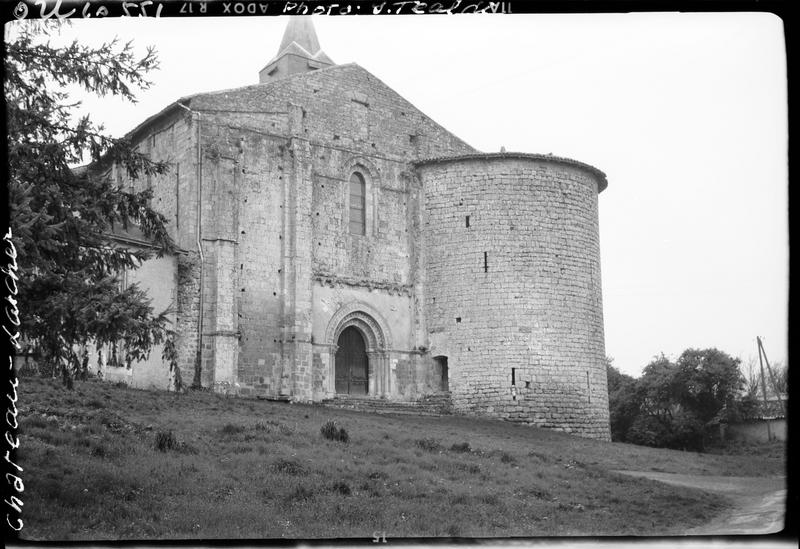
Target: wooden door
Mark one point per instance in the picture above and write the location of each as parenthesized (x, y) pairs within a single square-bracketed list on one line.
[(352, 370)]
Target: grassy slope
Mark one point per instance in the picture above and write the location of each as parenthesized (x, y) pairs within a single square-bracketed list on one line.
[(255, 469)]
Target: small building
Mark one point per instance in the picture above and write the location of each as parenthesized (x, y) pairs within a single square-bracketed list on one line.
[(766, 425)]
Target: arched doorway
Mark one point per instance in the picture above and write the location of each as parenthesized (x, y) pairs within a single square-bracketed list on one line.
[(375, 377), (352, 365)]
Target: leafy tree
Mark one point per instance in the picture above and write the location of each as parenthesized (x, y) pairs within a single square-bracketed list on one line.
[(62, 218), (707, 381), (658, 386), (682, 401), (624, 402)]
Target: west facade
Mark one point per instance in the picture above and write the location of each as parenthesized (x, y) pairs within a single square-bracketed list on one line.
[(335, 241)]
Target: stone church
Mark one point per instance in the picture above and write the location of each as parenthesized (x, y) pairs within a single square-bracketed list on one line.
[(336, 244)]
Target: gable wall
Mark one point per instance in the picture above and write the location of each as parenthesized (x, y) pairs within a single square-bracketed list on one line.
[(286, 215)]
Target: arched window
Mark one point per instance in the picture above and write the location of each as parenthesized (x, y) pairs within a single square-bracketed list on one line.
[(358, 205)]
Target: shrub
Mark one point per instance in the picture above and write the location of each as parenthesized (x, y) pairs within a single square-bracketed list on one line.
[(681, 432), (462, 447), (331, 431), (429, 445)]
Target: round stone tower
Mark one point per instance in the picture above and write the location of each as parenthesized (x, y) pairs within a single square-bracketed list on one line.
[(512, 287)]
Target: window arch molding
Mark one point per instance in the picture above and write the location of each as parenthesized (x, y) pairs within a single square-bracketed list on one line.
[(358, 204), (370, 175)]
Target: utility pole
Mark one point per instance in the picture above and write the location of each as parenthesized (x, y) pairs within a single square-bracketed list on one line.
[(771, 375), (764, 389)]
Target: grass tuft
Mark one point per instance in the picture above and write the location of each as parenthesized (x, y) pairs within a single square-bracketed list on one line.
[(331, 431), (471, 468), (231, 429), (288, 467), (95, 403), (429, 445), (462, 448), (505, 457), (341, 487), (300, 493), (33, 422), (166, 441), (459, 499)]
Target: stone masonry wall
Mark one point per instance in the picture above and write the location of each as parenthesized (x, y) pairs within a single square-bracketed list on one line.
[(514, 298), (244, 238), (188, 307), (294, 143), (171, 140)]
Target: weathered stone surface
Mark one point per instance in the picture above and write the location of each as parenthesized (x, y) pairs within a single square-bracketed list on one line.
[(513, 294)]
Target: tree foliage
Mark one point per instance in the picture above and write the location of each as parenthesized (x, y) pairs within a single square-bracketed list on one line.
[(752, 375), (676, 404), (707, 382), (62, 218), (625, 402)]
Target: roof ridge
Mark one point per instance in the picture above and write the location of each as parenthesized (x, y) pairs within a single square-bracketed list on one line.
[(273, 82), (188, 98)]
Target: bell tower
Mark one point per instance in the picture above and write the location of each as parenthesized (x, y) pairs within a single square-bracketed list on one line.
[(299, 51)]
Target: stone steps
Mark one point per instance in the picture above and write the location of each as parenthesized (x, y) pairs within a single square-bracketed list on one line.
[(430, 405)]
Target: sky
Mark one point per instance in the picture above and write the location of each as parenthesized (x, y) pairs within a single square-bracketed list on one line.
[(685, 113)]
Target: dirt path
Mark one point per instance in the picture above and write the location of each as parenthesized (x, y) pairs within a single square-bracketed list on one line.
[(759, 502)]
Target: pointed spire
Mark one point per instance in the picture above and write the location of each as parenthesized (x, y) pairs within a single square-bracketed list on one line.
[(300, 30), (299, 51)]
